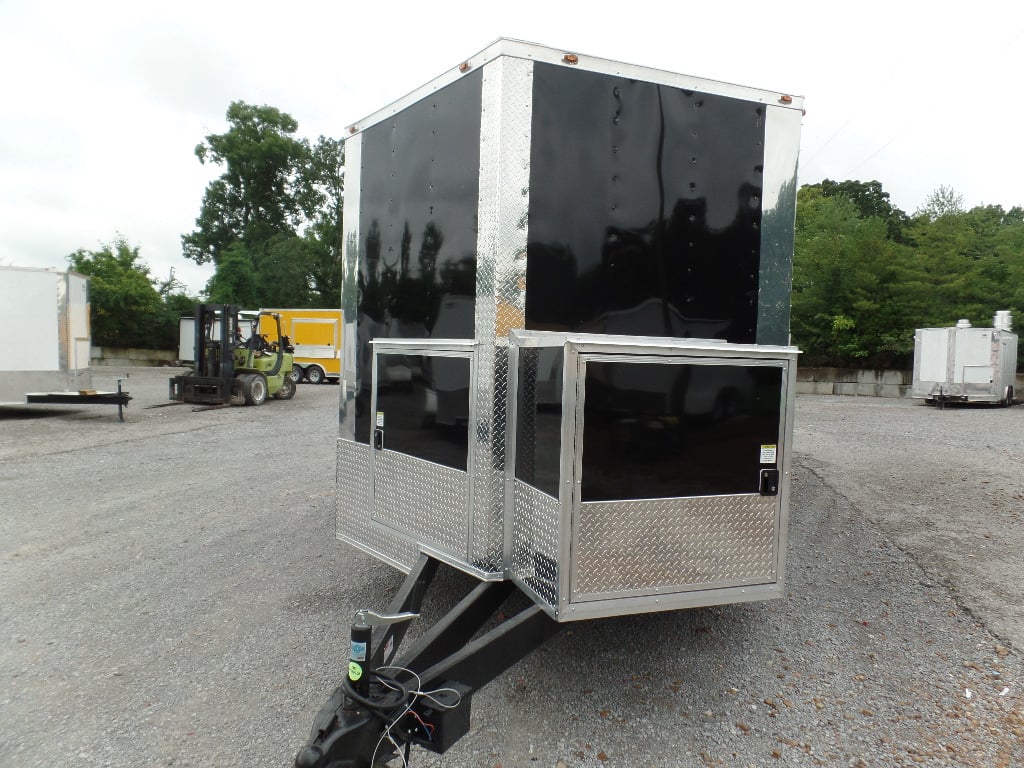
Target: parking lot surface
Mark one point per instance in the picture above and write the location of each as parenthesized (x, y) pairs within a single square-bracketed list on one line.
[(172, 594)]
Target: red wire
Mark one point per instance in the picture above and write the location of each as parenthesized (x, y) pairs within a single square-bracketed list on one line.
[(429, 728)]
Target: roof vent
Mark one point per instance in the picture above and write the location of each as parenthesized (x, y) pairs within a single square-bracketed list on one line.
[(1003, 321), (963, 323)]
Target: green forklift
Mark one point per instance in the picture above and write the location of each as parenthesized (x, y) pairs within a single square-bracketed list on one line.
[(231, 369)]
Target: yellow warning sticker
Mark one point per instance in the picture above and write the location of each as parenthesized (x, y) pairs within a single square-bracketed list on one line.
[(768, 454), (354, 671)]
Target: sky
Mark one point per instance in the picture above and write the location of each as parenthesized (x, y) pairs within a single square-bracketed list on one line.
[(103, 103)]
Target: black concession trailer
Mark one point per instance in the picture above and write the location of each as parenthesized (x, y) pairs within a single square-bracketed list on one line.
[(567, 368)]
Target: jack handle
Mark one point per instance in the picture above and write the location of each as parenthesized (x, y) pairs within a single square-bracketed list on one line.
[(359, 669)]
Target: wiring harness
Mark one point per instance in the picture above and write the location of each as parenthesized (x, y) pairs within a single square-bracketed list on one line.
[(393, 702)]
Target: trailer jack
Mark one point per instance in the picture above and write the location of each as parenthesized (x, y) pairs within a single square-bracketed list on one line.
[(391, 701)]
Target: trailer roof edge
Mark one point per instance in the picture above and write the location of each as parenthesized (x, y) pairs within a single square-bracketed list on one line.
[(534, 52)]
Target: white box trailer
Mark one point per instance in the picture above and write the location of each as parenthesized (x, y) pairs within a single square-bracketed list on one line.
[(48, 344), (187, 334), (966, 364)]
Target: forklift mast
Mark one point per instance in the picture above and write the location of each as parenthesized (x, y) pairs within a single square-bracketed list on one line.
[(214, 355)]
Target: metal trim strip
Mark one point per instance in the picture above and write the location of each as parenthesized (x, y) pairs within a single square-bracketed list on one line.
[(518, 49), (778, 214), (654, 345), (350, 382)]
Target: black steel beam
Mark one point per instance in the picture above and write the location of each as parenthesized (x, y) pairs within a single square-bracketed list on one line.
[(452, 631), (409, 598), (347, 734), (480, 661)]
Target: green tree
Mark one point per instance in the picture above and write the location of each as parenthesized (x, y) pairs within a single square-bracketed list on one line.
[(177, 303), (968, 263), (129, 308), (843, 267), (125, 305), (325, 192), (865, 275), (944, 201), (871, 201), (271, 222), (234, 282)]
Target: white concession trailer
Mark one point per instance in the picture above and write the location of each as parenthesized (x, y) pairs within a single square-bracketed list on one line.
[(47, 343), (965, 363)]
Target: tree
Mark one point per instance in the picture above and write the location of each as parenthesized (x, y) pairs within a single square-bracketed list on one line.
[(944, 201), (125, 305), (871, 200), (234, 282), (256, 196), (128, 309), (967, 263), (843, 266), (324, 197), (271, 223)]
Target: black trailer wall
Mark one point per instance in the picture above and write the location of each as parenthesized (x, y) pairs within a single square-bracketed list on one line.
[(645, 208), (418, 204)]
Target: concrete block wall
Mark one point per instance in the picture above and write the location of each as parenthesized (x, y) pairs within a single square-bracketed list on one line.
[(853, 381), (106, 356), (863, 383)]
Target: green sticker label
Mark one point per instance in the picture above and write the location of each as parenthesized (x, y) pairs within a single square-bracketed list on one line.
[(354, 671)]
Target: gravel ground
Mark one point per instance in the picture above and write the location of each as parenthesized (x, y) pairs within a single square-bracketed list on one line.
[(171, 593)]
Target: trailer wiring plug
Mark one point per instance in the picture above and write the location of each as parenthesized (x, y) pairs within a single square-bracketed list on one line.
[(410, 725)]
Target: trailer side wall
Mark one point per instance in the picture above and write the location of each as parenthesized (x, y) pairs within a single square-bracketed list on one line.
[(50, 350)]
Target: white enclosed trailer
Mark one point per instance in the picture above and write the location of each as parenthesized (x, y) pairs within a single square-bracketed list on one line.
[(48, 343), (966, 364), (187, 334)]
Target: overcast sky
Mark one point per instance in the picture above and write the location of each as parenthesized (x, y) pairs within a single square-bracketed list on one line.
[(104, 102)]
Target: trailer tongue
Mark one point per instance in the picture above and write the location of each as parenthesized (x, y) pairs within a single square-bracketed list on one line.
[(422, 696), (566, 368)]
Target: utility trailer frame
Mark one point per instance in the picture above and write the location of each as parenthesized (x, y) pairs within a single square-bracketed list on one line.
[(528, 201), (120, 398)]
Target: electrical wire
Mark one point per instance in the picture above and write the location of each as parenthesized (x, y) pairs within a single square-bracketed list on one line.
[(430, 696), (399, 695), (411, 696), (397, 702)]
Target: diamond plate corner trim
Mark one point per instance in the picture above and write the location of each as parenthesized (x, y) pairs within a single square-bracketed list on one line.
[(665, 545), (353, 501), (421, 499), (535, 548), (507, 102), (350, 289)]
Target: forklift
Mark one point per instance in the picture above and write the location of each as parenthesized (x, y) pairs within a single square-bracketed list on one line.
[(230, 369)]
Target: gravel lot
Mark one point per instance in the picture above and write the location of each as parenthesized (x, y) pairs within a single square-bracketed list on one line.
[(171, 593)]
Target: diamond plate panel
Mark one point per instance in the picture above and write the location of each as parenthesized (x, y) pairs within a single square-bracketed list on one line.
[(535, 547), (664, 544), (353, 501), (501, 286), (425, 500)]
